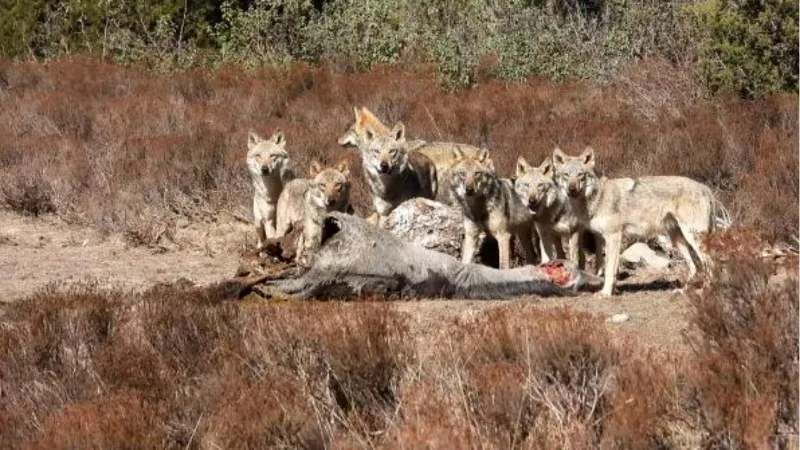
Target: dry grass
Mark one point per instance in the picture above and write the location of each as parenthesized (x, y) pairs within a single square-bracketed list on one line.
[(129, 151), (175, 366)]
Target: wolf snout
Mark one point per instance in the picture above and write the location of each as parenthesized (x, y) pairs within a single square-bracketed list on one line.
[(470, 191), (330, 201), (384, 167), (265, 170)]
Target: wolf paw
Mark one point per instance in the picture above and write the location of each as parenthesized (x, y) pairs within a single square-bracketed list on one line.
[(603, 294)]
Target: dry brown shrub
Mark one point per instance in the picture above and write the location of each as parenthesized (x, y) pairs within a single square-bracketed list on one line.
[(181, 366), (122, 420), (28, 195), (130, 151), (270, 411), (538, 377), (745, 382)]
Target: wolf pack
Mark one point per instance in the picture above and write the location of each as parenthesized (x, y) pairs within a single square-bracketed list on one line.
[(561, 199)]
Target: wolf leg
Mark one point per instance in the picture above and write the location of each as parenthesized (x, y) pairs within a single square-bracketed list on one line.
[(525, 236), (470, 244), (612, 250), (504, 245)]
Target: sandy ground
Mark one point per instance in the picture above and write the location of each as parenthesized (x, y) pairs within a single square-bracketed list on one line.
[(38, 251)]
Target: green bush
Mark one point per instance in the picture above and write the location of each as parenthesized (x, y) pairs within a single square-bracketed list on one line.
[(748, 46), (745, 45)]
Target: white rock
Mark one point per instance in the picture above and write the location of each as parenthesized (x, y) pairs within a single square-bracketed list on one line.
[(428, 224), (620, 318)]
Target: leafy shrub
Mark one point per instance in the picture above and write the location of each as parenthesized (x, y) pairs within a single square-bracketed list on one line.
[(749, 46), (742, 45)]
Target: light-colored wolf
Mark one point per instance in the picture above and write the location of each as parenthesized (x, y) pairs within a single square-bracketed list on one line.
[(395, 174), (638, 208), (309, 200), (270, 169), (551, 210), (489, 205), (440, 153)]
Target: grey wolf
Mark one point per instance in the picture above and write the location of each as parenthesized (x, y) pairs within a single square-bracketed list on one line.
[(440, 153), (395, 174), (638, 208), (552, 213), (489, 205), (268, 163), (327, 190)]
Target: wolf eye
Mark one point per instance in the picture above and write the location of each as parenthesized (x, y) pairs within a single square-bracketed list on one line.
[(393, 151), (338, 186)]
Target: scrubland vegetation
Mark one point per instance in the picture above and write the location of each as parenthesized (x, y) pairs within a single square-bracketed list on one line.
[(177, 367), (130, 151), (130, 117)]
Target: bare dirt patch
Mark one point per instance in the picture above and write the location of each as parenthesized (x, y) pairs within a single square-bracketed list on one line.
[(38, 251)]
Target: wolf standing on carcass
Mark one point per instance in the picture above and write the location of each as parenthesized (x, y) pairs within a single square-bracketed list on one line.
[(490, 205), (269, 167), (638, 208), (440, 153), (395, 174)]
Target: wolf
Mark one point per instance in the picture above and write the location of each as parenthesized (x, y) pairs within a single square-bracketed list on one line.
[(270, 169), (440, 153), (489, 205), (551, 210), (395, 174), (638, 208), (327, 190)]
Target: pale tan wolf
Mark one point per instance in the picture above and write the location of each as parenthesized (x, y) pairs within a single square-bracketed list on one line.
[(270, 169), (638, 208), (489, 205), (551, 210), (393, 173), (440, 153), (309, 200)]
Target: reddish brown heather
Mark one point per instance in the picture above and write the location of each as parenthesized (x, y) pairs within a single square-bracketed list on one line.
[(178, 367), (130, 151)]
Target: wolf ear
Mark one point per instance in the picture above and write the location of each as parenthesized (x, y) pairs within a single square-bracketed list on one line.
[(278, 138), (314, 169), (253, 139), (485, 158), (399, 131), (458, 154), (344, 168), (547, 166), (369, 134), (361, 117), (522, 166), (588, 157), (558, 157)]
